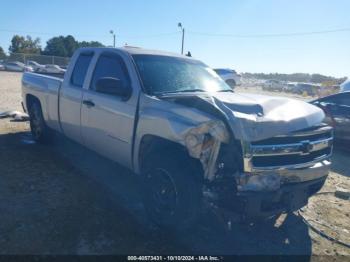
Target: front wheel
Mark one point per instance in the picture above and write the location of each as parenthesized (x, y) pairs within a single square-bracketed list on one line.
[(172, 195)]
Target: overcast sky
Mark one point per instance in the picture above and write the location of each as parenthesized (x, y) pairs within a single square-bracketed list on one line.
[(256, 28)]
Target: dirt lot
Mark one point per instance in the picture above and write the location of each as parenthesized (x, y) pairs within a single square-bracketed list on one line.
[(64, 199)]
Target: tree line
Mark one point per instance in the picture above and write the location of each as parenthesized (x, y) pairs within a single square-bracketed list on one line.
[(56, 46), (297, 77)]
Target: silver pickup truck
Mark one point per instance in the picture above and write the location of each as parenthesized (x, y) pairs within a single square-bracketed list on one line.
[(173, 121)]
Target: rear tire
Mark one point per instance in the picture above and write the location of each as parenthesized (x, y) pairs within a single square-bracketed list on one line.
[(40, 131), (172, 195)]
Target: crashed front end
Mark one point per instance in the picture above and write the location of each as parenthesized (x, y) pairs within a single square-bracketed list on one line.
[(281, 173), (260, 155), (270, 176), (256, 173)]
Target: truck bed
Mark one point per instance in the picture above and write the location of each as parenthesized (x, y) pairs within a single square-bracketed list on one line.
[(46, 89), (60, 76)]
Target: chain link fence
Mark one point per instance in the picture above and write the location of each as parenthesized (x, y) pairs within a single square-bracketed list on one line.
[(40, 59)]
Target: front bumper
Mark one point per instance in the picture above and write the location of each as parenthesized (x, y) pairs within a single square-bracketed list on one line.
[(291, 192), (267, 180), (288, 198)]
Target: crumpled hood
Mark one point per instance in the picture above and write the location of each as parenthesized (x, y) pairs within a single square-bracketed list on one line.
[(254, 117)]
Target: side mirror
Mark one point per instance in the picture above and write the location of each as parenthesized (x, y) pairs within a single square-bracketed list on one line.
[(113, 86)]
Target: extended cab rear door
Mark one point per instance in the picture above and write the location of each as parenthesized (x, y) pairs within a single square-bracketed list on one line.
[(107, 120), (71, 95)]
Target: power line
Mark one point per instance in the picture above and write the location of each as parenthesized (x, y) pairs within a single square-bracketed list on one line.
[(276, 35), (87, 35), (270, 35), (44, 33)]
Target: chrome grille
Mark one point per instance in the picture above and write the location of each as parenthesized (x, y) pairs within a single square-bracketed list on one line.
[(298, 149)]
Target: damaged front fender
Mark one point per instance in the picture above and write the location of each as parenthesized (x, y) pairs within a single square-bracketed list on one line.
[(200, 133), (204, 141)]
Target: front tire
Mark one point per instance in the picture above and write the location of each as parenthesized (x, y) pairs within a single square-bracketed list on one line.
[(172, 195), (40, 131)]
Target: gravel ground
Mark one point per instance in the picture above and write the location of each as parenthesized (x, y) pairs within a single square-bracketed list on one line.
[(65, 199), (10, 84)]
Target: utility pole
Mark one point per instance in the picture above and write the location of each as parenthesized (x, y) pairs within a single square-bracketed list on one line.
[(113, 34), (183, 37)]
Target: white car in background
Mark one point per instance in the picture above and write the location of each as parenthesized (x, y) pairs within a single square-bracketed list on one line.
[(35, 65), (230, 76), (51, 69), (18, 67), (273, 85)]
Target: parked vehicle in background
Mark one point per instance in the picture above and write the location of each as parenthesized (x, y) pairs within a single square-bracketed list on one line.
[(230, 76), (51, 69), (18, 67), (344, 87), (289, 87), (306, 88), (2, 67), (337, 110), (35, 65), (273, 85), (181, 128)]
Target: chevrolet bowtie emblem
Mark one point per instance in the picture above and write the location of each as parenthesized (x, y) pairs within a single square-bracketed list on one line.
[(306, 147)]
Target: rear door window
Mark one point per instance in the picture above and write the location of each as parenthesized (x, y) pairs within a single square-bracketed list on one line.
[(80, 69)]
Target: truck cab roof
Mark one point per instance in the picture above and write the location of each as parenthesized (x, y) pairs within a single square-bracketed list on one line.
[(132, 50)]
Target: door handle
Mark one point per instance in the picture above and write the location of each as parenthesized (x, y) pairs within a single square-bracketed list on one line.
[(88, 103)]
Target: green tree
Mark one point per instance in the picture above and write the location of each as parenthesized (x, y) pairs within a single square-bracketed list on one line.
[(2, 53), (296, 77), (66, 45), (90, 44), (56, 46), (70, 44), (27, 45)]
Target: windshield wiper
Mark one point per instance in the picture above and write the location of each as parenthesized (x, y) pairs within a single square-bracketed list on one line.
[(181, 91), (192, 90)]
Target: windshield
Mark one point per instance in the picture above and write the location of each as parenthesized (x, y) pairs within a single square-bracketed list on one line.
[(164, 74)]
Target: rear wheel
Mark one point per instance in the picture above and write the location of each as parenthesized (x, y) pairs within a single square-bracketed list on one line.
[(41, 133), (172, 195)]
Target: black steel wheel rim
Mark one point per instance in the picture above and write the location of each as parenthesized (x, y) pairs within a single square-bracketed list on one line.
[(163, 193)]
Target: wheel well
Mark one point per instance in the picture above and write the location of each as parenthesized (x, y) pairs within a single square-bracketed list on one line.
[(30, 100), (151, 145)]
